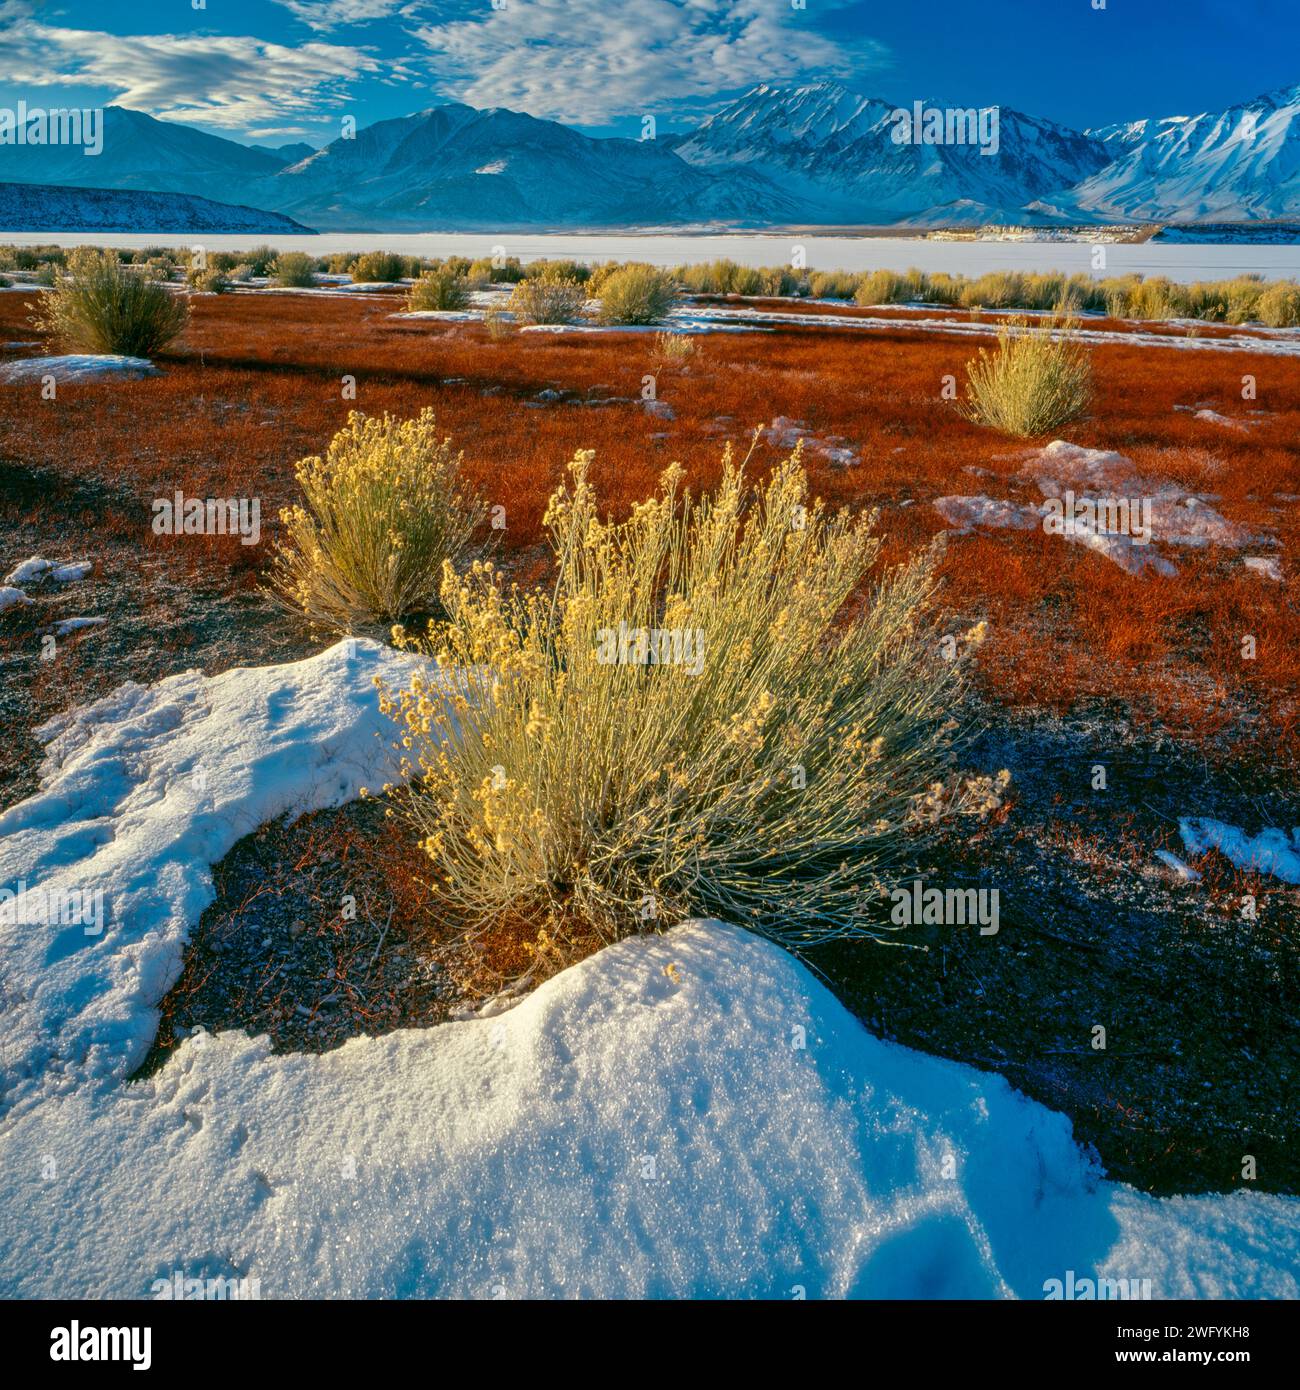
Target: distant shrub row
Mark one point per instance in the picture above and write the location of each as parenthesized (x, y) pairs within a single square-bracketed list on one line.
[(1244, 299)]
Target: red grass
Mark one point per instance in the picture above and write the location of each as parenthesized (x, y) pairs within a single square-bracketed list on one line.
[(256, 383)]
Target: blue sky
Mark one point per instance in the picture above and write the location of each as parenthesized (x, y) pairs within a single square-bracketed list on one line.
[(280, 70)]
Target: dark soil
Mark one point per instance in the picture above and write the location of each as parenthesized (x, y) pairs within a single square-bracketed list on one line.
[(1200, 1005), (321, 932), (171, 606)]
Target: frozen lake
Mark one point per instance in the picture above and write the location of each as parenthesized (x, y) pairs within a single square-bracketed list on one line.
[(1178, 262)]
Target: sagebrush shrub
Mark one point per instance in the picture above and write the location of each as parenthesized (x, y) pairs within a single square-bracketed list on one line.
[(262, 258), (439, 289), (1279, 305), (636, 295), (575, 272), (378, 266), (294, 270), (833, 284), (709, 712), (547, 301), (883, 287), (384, 509), (1032, 382), (209, 281), (103, 306), (673, 349)]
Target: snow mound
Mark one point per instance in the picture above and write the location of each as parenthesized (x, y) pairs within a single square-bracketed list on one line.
[(1272, 851), (78, 367), (70, 625), (964, 513), (691, 1114), (1177, 518), (785, 433), (141, 792), (1212, 417), (36, 569), (1098, 498)]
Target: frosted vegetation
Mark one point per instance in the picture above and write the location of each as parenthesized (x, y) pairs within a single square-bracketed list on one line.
[(698, 717), (384, 510)]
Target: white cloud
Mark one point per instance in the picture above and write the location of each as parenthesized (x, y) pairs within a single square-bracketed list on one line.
[(219, 80), (581, 61), (586, 61), (334, 14)]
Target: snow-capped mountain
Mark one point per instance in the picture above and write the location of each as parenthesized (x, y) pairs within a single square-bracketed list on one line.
[(454, 166), (1233, 165), (836, 153), (777, 156)]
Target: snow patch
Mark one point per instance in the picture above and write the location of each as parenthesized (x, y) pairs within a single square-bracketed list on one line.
[(37, 569), (141, 792), (78, 367), (1213, 417), (11, 597), (69, 625), (1267, 565), (785, 433), (1272, 851)]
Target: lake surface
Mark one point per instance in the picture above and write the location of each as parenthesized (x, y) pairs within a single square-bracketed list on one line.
[(1178, 262)]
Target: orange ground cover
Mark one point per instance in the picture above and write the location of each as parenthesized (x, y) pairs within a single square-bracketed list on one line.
[(256, 383)]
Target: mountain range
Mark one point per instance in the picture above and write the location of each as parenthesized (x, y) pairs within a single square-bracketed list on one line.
[(814, 154)]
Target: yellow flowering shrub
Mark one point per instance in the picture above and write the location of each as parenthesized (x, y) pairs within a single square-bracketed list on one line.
[(713, 711), (384, 510)]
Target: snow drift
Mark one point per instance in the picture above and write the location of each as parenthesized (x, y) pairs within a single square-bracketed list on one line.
[(690, 1114)]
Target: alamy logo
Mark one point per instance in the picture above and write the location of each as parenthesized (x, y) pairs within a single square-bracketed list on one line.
[(652, 646), (1069, 515), (1071, 1288), (77, 1343), (59, 907), (179, 1288), (948, 125), (918, 905), (179, 515), (60, 126)]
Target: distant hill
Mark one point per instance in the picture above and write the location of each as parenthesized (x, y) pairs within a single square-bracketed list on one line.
[(34, 207)]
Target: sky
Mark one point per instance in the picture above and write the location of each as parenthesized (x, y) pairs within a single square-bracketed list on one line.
[(277, 71)]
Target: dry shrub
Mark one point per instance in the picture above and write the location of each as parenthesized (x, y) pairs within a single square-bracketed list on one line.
[(673, 349), (541, 300), (102, 306), (378, 266), (1032, 382), (207, 281), (294, 270), (497, 322), (636, 295), (707, 714), (441, 290), (1279, 305), (384, 510)]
